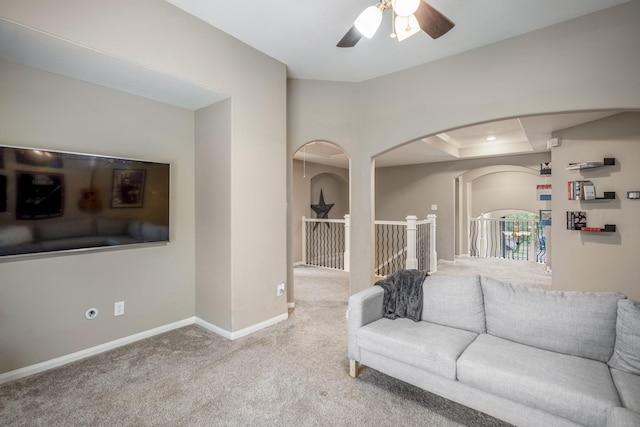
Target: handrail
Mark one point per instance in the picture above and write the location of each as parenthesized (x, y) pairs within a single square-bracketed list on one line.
[(521, 239), (399, 244)]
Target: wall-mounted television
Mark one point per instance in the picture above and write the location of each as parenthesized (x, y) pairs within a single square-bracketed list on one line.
[(53, 201)]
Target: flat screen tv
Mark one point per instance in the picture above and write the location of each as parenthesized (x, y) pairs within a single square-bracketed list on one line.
[(53, 201)]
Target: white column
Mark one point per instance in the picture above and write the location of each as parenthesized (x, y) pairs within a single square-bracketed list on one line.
[(433, 253), (304, 240), (347, 241), (412, 261)]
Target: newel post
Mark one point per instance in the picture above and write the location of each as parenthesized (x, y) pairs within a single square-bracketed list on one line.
[(412, 261), (482, 228), (433, 254), (304, 240), (347, 242)]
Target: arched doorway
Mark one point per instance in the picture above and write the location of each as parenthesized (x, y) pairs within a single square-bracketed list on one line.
[(320, 178)]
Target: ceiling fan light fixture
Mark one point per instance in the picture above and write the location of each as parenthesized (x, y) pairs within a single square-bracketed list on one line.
[(406, 26), (405, 7), (368, 21)]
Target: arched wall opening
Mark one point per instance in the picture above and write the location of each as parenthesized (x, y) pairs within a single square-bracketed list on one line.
[(317, 166), (500, 189)]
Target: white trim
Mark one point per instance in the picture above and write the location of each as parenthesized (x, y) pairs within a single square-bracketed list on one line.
[(242, 332), (213, 328), (291, 305), (92, 351)]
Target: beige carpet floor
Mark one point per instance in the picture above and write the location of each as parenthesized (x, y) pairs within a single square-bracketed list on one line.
[(294, 373)]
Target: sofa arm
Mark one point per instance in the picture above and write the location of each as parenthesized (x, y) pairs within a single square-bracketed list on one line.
[(364, 307), (622, 417)]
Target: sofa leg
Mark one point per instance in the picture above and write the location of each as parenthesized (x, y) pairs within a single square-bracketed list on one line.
[(353, 368)]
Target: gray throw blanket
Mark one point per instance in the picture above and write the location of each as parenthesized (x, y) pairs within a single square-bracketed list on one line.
[(403, 294)]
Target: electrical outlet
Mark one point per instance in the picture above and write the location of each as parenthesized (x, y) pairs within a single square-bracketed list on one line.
[(280, 289), (91, 314), (118, 308)]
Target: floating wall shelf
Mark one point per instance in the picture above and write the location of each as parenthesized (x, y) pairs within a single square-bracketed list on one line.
[(607, 161), (608, 228)]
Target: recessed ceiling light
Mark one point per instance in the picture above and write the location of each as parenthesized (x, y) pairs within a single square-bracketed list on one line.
[(491, 138)]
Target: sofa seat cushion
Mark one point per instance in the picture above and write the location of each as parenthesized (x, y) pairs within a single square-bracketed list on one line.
[(73, 243), (571, 387), (120, 240), (434, 348), (621, 417), (628, 386)]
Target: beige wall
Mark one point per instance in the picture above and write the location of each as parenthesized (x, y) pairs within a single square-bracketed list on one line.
[(335, 191), (303, 197), (598, 261), (213, 238), (43, 300), (506, 190), (561, 68), (412, 189), (198, 53)]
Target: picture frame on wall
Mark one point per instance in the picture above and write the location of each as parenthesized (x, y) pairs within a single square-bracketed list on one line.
[(3, 193), (545, 168), (128, 188), (40, 195), (545, 217)]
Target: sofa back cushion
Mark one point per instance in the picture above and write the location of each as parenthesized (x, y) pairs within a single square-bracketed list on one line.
[(112, 226), (65, 229), (576, 323), (15, 235), (454, 301), (626, 352)]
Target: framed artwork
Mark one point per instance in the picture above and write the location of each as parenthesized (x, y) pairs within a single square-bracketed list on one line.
[(128, 188), (544, 191), (3, 193), (545, 217), (545, 168), (40, 195)]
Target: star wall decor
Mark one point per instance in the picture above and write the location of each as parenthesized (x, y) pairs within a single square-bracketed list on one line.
[(322, 210)]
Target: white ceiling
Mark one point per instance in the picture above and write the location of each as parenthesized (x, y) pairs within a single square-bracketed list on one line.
[(303, 33)]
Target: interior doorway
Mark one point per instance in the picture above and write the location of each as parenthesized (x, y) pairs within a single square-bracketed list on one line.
[(320, 201)]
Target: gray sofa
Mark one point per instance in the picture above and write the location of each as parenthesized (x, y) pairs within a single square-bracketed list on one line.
[(526, 356), (59, 235)]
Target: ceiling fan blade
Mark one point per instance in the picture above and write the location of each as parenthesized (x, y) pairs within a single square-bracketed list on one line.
[(350, 39), (431, 21)]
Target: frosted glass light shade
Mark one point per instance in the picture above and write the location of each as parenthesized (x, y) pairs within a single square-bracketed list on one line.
[(406, 26), (368, 21), (405, 7)]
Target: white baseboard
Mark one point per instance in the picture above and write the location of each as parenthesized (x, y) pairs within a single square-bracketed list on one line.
[(82, 354), (242, 332), (291, 305), (92, 351), (213, 328)]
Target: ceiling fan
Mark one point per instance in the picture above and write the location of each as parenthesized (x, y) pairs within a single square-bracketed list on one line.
[(410, 16)]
